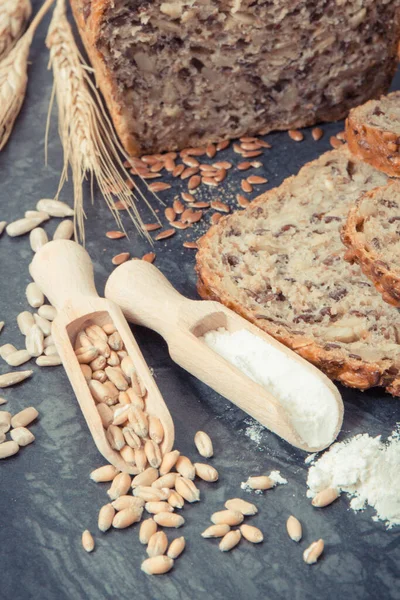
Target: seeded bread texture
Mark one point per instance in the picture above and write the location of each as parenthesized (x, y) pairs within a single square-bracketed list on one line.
[(187, 72), (373, 133), (280, 264), (372, 234)]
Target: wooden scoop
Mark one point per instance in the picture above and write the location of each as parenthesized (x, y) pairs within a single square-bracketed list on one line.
[(64, 272), (147, 298)]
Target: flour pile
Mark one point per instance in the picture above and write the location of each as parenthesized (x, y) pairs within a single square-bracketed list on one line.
[(367, 469), (309, 403)]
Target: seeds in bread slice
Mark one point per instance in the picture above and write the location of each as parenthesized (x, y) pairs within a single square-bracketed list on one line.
[(373, 133), (372, 234), (279, 263)]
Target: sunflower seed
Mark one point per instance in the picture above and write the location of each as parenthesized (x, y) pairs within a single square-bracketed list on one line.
[(64, 231), (157, 545), (13, 377), (294, 528), (24, 417), (46, 311), (55, 208), (5, 421), (187, 489), (169, 519), (43, 323), (261, 482), (147, 529), (34, 295), (15, 359), (206, 472), (251, 534), (158, 507), (230, 540), (38, 238), (203, 444), (313, 552), (176, 547), (216, 531), (22, 226), (8, 449), (105, 473), (325, 497)]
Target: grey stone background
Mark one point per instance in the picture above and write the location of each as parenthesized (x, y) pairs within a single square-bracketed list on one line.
[(46, 497)]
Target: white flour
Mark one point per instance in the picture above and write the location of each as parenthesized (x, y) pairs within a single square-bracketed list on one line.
[(367, 470), (310, 405)]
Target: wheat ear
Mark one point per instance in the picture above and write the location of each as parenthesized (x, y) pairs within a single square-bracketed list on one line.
[(14, 78), (14, 15), (89, 142)]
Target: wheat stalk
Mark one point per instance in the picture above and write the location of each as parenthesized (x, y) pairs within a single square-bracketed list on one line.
[(14, 15), (14, 78), (89, 142)]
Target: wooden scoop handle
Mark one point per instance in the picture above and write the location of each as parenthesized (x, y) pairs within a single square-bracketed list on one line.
[(145, 296), (64, 272)]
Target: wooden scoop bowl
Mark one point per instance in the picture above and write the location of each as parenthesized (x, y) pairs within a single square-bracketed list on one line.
[(147, 298), (64, 272)]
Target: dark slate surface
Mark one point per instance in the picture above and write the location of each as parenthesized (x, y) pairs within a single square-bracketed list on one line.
[(46, 497)]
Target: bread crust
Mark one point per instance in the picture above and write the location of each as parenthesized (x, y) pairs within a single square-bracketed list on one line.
[(89, 30), (385, 281), (372, 144), (336, 362)]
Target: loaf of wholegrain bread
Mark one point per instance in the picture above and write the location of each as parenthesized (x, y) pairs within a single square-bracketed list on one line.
[(372, 234), (180, 73), (280, 264)]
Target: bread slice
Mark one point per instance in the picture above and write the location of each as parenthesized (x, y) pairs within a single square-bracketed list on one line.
[(190, 72), (373, 133), (279, 263), (372, 234)]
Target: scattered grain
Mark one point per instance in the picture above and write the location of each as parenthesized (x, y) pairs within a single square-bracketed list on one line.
[(251, 534), (239, 505), (157, 565), (230, 540), (325, 497), (294, 528), (313, 552)]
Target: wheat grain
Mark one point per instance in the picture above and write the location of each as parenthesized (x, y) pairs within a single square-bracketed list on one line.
[(14, 78), (91, 148), (14, 15)]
